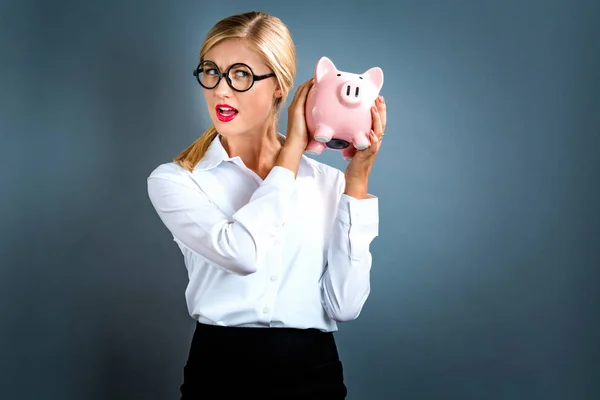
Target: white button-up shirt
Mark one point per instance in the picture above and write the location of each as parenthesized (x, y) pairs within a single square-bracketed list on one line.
[(285, 251)]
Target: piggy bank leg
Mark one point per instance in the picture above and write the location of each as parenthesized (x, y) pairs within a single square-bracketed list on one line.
[(323, 133), (361, 141), (314, 148), (348, 153)]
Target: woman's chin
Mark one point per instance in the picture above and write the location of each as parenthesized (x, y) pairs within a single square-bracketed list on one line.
[(226, 129)]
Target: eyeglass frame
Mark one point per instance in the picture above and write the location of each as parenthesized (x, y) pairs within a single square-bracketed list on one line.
[(226, 75)]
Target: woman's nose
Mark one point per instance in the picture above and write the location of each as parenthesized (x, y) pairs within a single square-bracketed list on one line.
[(223, 88)]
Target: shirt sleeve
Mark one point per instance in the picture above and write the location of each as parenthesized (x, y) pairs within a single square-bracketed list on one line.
[(236, 244), (346, 281)]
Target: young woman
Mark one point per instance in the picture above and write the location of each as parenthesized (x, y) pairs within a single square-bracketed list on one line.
[(276, 244)]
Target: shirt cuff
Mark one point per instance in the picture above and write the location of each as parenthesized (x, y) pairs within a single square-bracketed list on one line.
[(355, 212), (361, 219), (280, 176)]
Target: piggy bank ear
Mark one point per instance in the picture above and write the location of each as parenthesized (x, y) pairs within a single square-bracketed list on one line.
[(324, 66), (376, 75)]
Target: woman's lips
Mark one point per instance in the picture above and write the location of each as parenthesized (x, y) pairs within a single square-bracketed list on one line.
[(225, 112)]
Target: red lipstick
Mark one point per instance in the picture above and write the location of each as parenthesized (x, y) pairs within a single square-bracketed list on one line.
[(225, 112)]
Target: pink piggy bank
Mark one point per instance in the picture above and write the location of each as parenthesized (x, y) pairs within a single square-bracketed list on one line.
[(338, 108)]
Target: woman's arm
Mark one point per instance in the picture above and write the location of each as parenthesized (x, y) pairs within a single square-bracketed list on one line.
[(237, 244), (346, 281)]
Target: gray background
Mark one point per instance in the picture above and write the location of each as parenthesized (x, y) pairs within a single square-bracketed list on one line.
[(486, 268)]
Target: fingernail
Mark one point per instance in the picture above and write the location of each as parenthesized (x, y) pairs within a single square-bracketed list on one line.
[(382, 99)]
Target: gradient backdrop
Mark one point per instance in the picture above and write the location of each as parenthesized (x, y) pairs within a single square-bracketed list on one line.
[(485, 277)]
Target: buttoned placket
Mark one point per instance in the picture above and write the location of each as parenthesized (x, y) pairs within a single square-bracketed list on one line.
[(274, 260), (274, 281)]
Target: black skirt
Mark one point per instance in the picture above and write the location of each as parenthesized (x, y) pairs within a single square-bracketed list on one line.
[(265, 363)]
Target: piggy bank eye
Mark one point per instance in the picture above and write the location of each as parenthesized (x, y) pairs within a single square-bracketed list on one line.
[(339, 74)]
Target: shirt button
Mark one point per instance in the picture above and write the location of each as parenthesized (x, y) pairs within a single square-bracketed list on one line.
[(266, 310), (273, 278)]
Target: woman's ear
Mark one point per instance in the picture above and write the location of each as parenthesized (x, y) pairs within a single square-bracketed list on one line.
[(278, 93)]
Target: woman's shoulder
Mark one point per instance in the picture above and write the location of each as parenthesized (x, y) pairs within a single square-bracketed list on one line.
[(324, 173), (170, 171)]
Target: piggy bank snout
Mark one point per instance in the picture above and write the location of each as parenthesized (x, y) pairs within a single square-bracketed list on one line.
[(351, 93)]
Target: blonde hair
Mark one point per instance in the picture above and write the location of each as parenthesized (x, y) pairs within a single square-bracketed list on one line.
[(272, 40)]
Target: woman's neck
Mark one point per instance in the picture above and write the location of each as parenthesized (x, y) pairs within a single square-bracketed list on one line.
[(258, 151)]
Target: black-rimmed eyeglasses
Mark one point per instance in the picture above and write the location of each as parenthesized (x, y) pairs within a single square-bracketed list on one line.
[(239, 76)]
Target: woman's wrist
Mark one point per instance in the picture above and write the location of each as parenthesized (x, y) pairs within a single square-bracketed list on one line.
[(290, 156), (357, 187), (295, 144)]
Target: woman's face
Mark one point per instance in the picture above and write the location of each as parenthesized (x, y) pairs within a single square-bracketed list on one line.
[(236, 113)]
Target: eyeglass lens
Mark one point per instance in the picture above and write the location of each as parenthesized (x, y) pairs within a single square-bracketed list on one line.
[(240, 76)]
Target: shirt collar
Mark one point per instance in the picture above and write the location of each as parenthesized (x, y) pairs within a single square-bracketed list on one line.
[(216, 154)]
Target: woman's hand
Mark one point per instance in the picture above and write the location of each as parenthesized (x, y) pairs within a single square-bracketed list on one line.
[(358, 170), (297, 132), (296, 137)]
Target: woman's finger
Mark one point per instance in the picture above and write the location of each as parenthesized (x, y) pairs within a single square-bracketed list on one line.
[(377, 127), (375, 143), (300, 90), (382, 113), (305, 89), (301, 96)]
